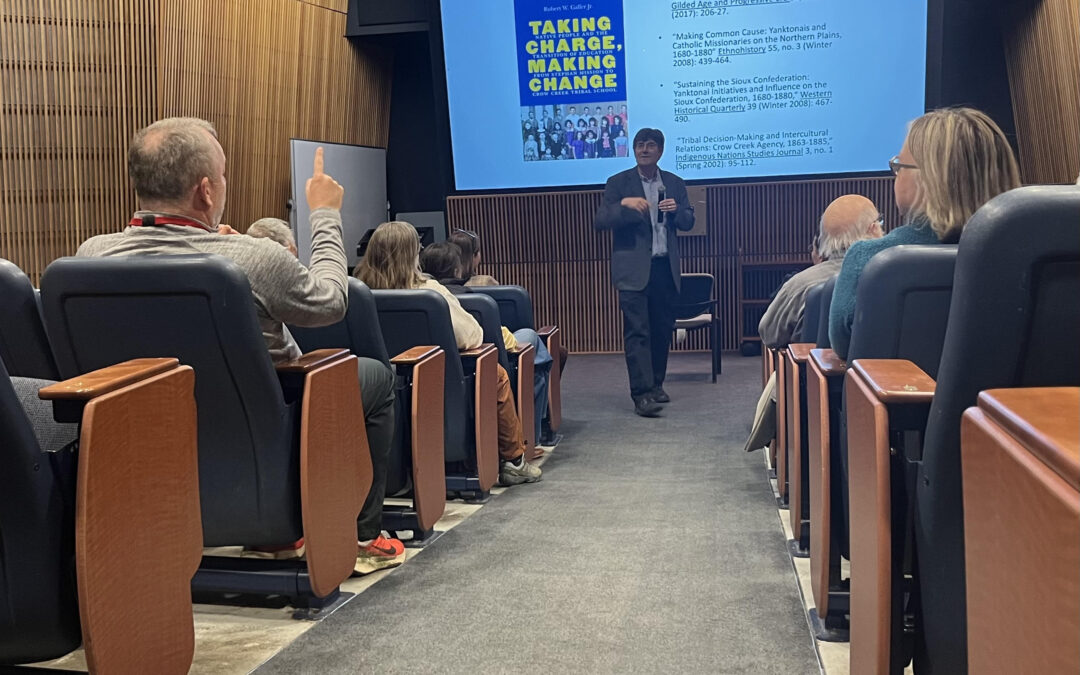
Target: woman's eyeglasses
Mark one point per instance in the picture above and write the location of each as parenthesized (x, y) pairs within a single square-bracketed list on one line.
[(470, 235), (895, 165)]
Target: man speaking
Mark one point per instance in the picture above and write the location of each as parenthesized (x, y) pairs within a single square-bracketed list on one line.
[(643, 207)]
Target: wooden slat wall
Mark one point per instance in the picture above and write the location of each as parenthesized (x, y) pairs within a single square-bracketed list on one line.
[(1043, 58), (79, 78), (264, 72), (74, 88), (546, 243)]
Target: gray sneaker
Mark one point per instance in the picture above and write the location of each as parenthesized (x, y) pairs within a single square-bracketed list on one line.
[(511, 474)]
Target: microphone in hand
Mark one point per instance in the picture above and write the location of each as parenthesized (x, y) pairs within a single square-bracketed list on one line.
[(660, 196)]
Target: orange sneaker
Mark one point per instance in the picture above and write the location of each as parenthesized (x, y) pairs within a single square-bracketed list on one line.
[(380, 554)]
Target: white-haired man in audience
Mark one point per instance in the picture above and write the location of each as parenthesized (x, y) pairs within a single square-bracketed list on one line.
[(845, 221), (177, 168), (274, 229)]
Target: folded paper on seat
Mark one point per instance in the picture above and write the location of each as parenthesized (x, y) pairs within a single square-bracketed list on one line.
[(764, 429)]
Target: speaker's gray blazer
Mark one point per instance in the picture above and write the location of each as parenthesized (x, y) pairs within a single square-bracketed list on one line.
[(631, 246)]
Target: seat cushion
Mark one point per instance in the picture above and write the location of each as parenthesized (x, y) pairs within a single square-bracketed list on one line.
[(699, 321)]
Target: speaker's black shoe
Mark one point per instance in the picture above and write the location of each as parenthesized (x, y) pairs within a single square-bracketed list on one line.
[(646, 407), (660, 396)]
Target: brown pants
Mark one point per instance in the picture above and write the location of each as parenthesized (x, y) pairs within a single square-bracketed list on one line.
[(511, 440)]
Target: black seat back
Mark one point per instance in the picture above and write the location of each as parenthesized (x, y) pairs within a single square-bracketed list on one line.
[(902, 305), (39, 611), (483, 308), (410, 318), (24, 346), (823, 315), (358, 332), (515, 305), (811, 315), (199, 309), (695, 295), (1014, 322)]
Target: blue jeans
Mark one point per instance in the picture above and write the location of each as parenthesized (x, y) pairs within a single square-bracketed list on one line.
[(541, 373)]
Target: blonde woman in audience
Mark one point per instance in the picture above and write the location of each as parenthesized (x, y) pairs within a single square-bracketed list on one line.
[(392, 261), (953, 161)]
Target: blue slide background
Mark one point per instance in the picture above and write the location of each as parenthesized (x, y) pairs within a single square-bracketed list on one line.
[(876, 72)]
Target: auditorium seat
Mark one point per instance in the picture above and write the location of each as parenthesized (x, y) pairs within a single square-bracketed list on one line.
[(822, 336), (794, 423), (415, 467), (413, 318), (516, 312), (696, 309), (811, 314), (768, 368), (902, 304), (515, 305), (783, 466), (1020, 458), (282, 451), (518, 364), (824, 379), (24, 346), (98, 542), (1014, 322)]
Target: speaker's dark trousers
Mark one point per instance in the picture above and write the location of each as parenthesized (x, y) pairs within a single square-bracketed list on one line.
[(648, 321)]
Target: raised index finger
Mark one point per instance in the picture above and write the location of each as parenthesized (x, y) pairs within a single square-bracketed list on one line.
[(318, 161)]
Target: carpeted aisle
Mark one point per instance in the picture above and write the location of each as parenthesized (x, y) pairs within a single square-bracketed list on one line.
[(650, 546)]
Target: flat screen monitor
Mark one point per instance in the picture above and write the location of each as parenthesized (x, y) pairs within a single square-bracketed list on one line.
[(360, 170)]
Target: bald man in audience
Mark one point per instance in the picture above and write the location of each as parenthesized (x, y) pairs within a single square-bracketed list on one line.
[(274, 229), (846, 220)]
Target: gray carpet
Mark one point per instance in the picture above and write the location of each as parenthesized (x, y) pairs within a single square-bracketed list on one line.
[(650, 546)]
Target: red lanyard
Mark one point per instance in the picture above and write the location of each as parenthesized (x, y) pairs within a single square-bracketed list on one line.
[(152, 220)]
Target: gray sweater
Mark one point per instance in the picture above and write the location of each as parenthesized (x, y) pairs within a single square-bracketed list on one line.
[(284, 290), (784, 317)]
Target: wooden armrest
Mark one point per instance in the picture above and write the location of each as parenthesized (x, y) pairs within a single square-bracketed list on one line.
[(98, 382), (896, 380), (477, 352), (546, 331), (828, 362), (425, 410), (520, 349), (311, 361), (411, 357), (1043, 420), (138, 530), (800, 351), (486, 422), (335, 469), (552, 336)]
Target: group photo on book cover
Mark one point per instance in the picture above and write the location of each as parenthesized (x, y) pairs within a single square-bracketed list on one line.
[(571, 64)]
